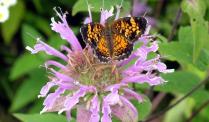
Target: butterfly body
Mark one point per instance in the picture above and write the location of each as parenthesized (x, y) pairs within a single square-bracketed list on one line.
[(114, 41)]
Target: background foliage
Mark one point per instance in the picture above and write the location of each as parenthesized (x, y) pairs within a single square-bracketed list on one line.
[(184, 44)]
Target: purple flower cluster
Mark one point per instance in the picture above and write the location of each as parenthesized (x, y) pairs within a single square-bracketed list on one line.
[(95, 88)]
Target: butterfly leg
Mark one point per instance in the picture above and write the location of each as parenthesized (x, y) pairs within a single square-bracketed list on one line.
[(116, 73)]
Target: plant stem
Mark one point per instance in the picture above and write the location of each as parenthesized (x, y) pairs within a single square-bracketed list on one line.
[(157, 101), (195, 113), (175, 23), (177, 102)]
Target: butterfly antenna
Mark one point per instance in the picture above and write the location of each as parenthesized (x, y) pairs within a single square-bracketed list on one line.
[(89, 9), (103, 4), (145, 13), (118, 9), (121, 3)]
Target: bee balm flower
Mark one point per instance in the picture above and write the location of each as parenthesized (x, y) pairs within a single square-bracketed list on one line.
[(92, 87)]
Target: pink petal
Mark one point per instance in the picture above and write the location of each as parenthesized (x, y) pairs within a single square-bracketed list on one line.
[(125, 112), (106, 112), (65, 31), (105, 14), (73, 100), (144, 79), (54, 63), (45, 89), (51, 98), (41, 46), (163, 68), (66, 49), (95, 106), (83, 115), (128, 93), (62, 77)]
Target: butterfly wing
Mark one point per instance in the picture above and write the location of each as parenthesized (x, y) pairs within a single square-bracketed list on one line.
[(122, 48), (102, 50), (92, 33), (130, 27)]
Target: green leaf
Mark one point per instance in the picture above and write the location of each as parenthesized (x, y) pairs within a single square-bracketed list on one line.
[(37, 106), (177, 113), (162, 38), (143, 108), (200, 96), (196, 10), (25, 64), (29, 88), (39, 23), (10, 27), (29, 35), (182, 52), (178, 82), (200, 35), (97, 4), (185, 34), (41, 118), (56, 41), (202, 115)]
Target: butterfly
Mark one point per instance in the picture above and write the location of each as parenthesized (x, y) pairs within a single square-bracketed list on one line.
[(113, 41)]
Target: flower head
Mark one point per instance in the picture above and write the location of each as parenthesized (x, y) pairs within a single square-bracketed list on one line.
[(90, 86)]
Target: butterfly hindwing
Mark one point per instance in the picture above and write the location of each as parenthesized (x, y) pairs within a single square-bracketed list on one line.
[(131, 27), (92, 33)]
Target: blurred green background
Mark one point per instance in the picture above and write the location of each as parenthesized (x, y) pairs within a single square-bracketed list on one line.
[(180, 25)]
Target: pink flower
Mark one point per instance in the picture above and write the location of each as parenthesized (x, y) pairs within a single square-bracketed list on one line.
[(91, 86), (140, 9)]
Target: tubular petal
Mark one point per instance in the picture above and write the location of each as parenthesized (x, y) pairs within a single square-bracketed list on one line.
[(65, 31), (125, 112), (41, 46), (54, 63)]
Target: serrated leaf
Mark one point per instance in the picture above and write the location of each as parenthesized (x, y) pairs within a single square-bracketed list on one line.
[(24, 64), (29, 35), (10, 27), (29, 88), (41, 118), (143, 108), (97, 4)]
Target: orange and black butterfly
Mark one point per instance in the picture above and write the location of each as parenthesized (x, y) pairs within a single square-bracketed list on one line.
[(114, 41)]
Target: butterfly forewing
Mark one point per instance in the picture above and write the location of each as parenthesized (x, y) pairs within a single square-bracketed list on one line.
[(92, 33), (130, 27)]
